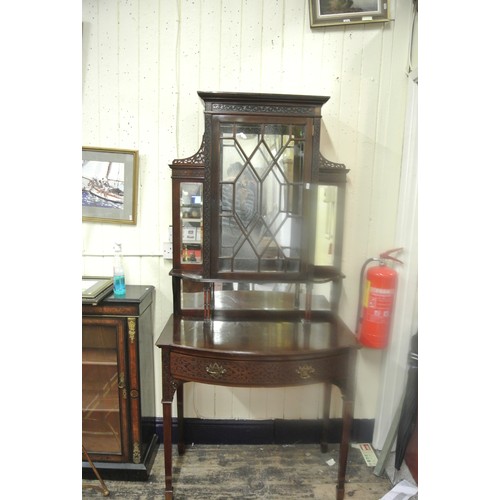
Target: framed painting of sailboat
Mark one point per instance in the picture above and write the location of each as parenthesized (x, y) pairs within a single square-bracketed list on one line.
[(342, 12), (109, 185)]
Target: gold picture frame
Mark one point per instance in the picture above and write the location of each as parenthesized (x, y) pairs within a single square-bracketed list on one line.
[(109, 185), (343, 12)]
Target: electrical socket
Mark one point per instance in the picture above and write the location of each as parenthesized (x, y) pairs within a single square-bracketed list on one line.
[(168, 250)]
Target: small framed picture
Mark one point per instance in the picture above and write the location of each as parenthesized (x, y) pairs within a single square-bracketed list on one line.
[(342, 12), (109, 185)]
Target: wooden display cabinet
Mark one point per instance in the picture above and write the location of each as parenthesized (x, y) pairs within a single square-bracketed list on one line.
[(118, 385), (256, 281)]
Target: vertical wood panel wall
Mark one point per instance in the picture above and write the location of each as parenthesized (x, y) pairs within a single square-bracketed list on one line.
[(144, 61)]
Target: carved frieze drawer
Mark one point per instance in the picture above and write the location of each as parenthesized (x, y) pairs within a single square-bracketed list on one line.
[(257, 372)]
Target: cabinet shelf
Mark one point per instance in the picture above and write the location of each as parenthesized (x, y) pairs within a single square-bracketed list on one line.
[(92, 356), (94, 401)]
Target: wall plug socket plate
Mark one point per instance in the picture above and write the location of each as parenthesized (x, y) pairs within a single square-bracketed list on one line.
[(168, 250)]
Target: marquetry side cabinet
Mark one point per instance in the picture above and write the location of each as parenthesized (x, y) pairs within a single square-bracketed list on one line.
[(118, 385)]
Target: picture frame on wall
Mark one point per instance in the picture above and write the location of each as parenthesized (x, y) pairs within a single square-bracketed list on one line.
[(109, 185), (343, 12)]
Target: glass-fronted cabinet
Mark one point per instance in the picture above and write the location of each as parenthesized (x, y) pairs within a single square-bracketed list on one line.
[(257, 204), (191, 207), (104, 404), (118, 405)]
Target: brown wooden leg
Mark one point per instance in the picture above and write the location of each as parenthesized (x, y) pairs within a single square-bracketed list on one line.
[(169, 387), (167, 448), (103, 488), (327, 396), (181, 447), (344, 446)]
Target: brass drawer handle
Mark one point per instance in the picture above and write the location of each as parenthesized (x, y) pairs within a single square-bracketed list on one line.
[(305, 371), (215, 370)]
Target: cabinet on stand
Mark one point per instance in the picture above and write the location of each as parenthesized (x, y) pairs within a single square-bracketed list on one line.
[(257, 229), (118, 407)]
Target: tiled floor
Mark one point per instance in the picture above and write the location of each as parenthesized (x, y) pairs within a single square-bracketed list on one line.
[(217, 472)]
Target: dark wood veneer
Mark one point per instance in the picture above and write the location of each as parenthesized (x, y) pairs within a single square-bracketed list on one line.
[(117, 363), (221, 334)]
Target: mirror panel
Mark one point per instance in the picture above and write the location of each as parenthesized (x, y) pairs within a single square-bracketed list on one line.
[(326, 225)]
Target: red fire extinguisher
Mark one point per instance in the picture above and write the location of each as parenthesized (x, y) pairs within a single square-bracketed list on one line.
[(376, 301)]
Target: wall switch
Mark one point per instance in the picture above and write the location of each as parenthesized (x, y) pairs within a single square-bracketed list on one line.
[(168, 250)]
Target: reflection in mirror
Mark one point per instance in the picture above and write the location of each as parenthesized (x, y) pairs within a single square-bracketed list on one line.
[(249, 296), (325, 245), (326, 217), (191, 294)]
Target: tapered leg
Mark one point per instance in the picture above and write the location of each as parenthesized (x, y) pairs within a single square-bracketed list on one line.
[(167, 448), (169, 387), (327, 396), (181, 447), (344, 446)]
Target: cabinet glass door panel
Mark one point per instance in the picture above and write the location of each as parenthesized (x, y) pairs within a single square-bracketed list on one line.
[(191, 203), (102, 381), (261, 178)]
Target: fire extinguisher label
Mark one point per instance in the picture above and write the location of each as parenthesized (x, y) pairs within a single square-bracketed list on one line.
[(378, 303), (366, 294)]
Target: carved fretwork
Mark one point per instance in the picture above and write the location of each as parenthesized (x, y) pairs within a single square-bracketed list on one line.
[(327, 164), (259, 372), (207, 208), (253, 108), (170, 389), (198, 159)]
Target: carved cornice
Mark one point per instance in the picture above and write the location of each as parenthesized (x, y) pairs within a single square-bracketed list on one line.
[(261, 108)]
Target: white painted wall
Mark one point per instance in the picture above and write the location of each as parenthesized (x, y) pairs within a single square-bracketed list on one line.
[(144, 60)]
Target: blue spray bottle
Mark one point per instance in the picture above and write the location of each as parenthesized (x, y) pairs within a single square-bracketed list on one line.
[(118, 272)]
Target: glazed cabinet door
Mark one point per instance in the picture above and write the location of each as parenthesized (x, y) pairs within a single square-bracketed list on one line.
[(261, 168), (191, 214), (105, 415)]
